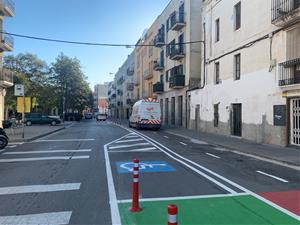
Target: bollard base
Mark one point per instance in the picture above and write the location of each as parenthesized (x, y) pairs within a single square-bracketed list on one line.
[(134, 209)]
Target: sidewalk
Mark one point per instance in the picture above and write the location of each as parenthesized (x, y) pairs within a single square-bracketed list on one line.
[(288, 155), (33, 132)]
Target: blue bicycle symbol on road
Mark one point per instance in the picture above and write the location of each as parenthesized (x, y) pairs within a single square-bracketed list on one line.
[(145, 167)]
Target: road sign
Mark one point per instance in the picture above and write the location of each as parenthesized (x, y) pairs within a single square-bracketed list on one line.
[(20, 104), (19, 90), (145, 167)]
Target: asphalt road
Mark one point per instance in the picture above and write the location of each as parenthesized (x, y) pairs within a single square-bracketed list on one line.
[(79, 175)]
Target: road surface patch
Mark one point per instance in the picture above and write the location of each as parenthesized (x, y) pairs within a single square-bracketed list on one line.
[(145, 167), (289, 200), (236, 210)]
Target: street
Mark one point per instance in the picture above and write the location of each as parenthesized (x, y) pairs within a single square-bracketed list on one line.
[(83, 175)]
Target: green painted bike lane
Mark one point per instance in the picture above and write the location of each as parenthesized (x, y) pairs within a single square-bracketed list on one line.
[(233, 210)]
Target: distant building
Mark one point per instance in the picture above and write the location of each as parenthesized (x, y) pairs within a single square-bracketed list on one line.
[(101, 98), (7, 9)]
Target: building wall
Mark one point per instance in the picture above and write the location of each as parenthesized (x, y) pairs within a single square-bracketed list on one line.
[(257, 90)]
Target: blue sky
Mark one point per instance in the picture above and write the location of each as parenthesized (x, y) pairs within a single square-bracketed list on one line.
[(103, 21)]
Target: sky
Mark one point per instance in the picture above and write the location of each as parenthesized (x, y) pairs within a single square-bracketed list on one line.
[(100, 21)]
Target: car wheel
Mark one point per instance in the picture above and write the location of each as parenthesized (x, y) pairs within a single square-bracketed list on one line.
[(53, 123), (28, 123)]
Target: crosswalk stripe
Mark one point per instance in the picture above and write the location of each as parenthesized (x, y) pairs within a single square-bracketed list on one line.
[(136, 150), (43, 158), (130, 140), (126, 146), (48, 151), (43, 218), (39, 188), (63, 140)]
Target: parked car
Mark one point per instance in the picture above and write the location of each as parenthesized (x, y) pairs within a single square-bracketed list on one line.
[(146, 113), (38, 118), (88, 116)]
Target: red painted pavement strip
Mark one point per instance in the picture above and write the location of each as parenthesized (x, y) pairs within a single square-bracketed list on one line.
[(289, 200)]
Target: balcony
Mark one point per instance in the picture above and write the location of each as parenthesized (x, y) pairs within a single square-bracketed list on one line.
[(148, 74), (158, 88), (289, 73), (130, 71), (130, 86), (158, 65), (120, 103), (113, 96), (177, 53), (7, 42), (120, 81), (7, 8), (177, 21), (285, 12), (159, 40), (120, 92), (6, 78), (177, 81)]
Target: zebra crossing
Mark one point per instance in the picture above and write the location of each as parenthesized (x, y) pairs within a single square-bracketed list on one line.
[(131, 143), (32, 156)]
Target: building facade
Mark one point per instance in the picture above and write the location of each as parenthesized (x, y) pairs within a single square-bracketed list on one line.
[(7, 9), (112, 99), (251, 84)]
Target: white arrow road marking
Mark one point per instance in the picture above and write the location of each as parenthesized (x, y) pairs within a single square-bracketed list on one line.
[(43, 218), (44, 152), (39, 188), (272, 176)]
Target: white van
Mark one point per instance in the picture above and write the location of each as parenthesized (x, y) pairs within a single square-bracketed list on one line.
[(146, 113)]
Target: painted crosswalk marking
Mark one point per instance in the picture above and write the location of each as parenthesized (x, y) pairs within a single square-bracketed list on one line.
[(127, 146), (150, 149), (48, 151), (63, 140), (43, 218), (39, 188), (129, 140), (43, 159)]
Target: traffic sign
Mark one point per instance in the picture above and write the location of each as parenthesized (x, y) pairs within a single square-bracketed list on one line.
[(145, 167), (19, 90)]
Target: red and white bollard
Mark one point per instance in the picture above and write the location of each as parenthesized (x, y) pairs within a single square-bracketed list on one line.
[(135, 188), (172, 215)]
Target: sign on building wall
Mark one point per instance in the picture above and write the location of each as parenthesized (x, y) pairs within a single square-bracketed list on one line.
[(279, 112)]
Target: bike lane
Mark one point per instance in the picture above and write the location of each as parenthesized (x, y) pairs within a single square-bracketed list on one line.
[(164, 179)]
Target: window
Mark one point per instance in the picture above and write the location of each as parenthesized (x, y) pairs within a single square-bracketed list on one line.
[(162, 78), (181, 13), (216, 115), (217, 30), (237, 67), (217, 73), (167, 75), (237, 12), (181, 41)]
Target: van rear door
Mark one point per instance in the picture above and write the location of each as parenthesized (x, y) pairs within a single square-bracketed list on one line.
[(150, 111)]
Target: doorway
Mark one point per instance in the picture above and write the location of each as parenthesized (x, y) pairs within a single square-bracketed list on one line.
[(237, 120), (295, 121)]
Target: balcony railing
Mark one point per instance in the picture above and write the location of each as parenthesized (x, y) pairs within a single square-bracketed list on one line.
[(177, 53), (289, 72), (6, 78), (177, 81), (7, 42), (158, 65), (130, 86), (285, 11), (130, 71), (7, 8), (159, 40), (158, 88), (177, 21)]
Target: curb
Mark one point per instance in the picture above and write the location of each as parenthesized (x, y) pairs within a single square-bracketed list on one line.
[(237, 151)]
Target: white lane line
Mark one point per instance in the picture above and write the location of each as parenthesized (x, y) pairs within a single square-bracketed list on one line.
[(16, 143), (136, 150), (11, 146), (114, 209), (183, 197), (63, 140), (183, 143), (166, 137), (2, 150), (212, 155), (39, 188), (221, 177), (199, 142), (221, 149), (49, 151), (127, 146), (43, 218), (272, 176), (130, 140), (43, 159)]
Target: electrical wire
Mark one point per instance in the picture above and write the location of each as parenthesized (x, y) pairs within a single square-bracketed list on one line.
[(91, 43)]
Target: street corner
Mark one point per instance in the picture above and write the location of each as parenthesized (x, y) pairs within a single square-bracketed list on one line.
[(241, 209)]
